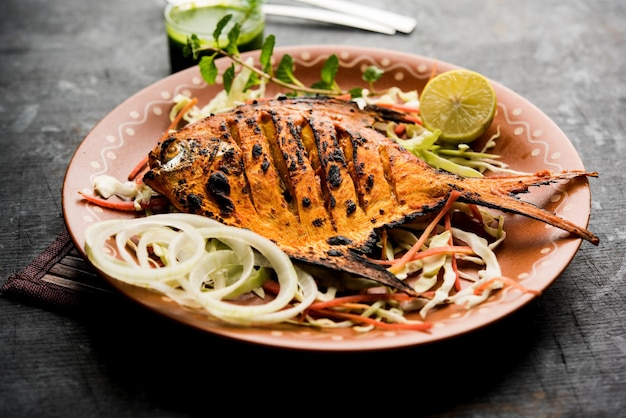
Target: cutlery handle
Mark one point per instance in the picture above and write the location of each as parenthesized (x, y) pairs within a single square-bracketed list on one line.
[(401, 23), (327, 16)]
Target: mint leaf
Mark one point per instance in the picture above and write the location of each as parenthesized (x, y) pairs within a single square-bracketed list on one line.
[(267, 50), (284, 72), (192, 47), (253, 80), (329, 70), (220, 27), (208, 69), (356, 92), (228, 77), (233, 36), (372, 74)]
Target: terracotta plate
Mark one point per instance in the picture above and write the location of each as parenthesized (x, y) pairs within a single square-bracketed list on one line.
[(533, 253)]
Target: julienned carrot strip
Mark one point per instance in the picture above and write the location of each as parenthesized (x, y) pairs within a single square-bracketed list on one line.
[(128, 206), (413, 119), (399, 107), (448, 249), (476, 212), (479, 289), (408, 256), (399, 129), (419, 326), (383, 242), (448, 226), (178, 117), (366, 297), (144, 161), (138, 168), (271, 286), (346, 96)]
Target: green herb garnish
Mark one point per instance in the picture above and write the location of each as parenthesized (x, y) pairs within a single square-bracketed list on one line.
[(283, 75)]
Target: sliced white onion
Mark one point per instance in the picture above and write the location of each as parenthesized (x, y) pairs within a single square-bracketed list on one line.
[(182, 239)]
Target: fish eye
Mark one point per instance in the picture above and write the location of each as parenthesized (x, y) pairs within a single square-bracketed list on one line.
[(172, 153)]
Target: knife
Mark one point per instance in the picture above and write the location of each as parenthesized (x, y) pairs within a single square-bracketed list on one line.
[(399, 22), (327, 16)]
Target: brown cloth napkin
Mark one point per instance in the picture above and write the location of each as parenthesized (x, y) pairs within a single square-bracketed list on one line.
[(59, 278)]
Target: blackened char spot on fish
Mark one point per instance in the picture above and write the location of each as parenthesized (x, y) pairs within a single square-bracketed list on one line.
[(231, 162), (334, 253), (251, 122), (339, 240), (350, 207), (194, 202), (257, 151), (219, 189), (334, 176), (318, 222), (337, 155), (306, 202), (265, 165)]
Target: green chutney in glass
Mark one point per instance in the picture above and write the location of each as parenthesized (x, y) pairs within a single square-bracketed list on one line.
[(201, 17)]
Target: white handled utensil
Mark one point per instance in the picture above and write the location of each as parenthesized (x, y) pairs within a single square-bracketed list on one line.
[(401, 23), (327, 16)]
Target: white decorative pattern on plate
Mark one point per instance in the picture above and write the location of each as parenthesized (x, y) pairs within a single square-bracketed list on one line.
[(530, 141)]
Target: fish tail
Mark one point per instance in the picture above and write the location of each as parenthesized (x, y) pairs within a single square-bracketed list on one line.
[(499, 193)]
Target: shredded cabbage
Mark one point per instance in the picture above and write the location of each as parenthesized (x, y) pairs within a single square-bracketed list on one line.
[(200, 263)]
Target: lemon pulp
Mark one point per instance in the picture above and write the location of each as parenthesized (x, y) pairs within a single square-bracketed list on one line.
[(461, 104)]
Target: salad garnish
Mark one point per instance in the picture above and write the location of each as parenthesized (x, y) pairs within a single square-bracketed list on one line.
[(242, 278)]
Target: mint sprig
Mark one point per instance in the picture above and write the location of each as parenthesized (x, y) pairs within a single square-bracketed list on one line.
[(283, 75)]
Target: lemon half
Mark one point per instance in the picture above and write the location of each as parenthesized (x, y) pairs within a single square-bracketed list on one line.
[(460, 103)]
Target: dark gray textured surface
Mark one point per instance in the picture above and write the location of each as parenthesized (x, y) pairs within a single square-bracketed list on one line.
[(65, 64)]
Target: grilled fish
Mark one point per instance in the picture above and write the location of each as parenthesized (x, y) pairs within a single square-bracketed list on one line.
[(316, 177)]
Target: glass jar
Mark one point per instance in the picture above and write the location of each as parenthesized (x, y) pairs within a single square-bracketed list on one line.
[(200, 17)]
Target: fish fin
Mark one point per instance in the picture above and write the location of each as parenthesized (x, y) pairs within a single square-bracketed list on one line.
[(499, 193), (352, 262)]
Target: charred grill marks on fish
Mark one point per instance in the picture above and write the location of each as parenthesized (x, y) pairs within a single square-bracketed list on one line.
[(315, 176)]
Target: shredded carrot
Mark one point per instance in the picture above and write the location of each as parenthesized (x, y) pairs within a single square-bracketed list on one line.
[(138, 168), (128, 206), (346, 96), (144, 161), (419, 326), (271, 286), (399, 129), (408, 256), (479, 289), (448, 249), (400, 107), (365, 297), (448, 226), (413, 119), (383, 241), (476, 212)]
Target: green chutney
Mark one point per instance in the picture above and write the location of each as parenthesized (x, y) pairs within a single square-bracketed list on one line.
[(201, 17)]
